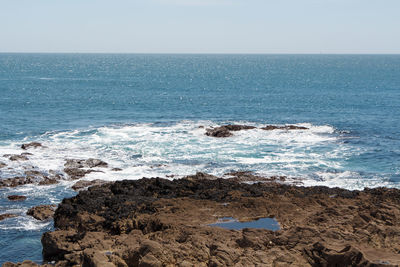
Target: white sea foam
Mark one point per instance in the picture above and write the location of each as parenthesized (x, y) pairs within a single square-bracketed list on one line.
[(150, 150)]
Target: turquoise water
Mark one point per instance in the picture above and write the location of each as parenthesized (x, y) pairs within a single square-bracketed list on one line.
[(142, 113)]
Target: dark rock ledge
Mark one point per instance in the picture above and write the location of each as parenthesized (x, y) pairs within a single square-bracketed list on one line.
[(226, 130), (157, 222)]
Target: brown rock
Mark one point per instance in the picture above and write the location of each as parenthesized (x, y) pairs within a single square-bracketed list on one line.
[(7, 215), (16, 198), (31, 145), (157, 222), (42, 212)]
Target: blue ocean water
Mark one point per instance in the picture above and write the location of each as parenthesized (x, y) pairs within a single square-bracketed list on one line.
[(142, 113)]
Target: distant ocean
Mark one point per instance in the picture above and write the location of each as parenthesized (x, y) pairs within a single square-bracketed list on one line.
[(142, 113)]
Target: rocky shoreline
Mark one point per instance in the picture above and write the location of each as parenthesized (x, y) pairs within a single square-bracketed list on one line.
[(158, 222)]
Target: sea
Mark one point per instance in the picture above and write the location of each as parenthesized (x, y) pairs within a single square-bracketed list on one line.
[(147, 114)]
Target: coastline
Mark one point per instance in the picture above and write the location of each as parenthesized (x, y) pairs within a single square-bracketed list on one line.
[(158, 222)]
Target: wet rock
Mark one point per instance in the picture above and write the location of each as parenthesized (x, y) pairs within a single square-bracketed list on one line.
[(18, 158), (42, 212), (83, 184), (31, 145), (2, 165), (47, 181), (89, 163), (286, 127), (225, 130), (76, 173), (247, 176), (16, 198), (116, 169), (162, 222), (7, 215), (16, 181)]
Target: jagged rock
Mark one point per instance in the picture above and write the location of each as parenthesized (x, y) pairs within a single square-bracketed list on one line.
[(83, 184), (286, 127), (16, 198), (151, 222), (7, 215), (42, 212), (225, 130), (31, 145)]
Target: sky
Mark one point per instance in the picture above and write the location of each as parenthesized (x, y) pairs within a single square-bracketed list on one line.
[(201, 26)]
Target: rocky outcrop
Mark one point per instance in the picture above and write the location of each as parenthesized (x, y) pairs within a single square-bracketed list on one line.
[(31, 145), (157, 222), (88, 163), (78, 168), (42, 212), (84, 184), (225, 130), (16, 157), (7, 215), (286, 127), (16, 198)]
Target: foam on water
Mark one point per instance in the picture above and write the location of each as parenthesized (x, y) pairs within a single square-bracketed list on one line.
[(317, 156)]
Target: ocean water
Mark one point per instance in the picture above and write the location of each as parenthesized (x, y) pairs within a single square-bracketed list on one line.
[(145, 113)]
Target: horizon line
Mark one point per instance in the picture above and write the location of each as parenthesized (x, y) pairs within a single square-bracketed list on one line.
[(195, 53)]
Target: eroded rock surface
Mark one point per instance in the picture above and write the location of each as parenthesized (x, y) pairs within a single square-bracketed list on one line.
[(157, 222), (42, 212)]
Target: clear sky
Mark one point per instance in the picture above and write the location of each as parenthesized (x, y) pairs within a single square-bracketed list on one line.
[(200, 26)]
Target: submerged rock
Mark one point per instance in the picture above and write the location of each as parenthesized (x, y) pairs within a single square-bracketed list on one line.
[(42, 212), (31, 145), (7, 216), (158, 222), (16, 198)]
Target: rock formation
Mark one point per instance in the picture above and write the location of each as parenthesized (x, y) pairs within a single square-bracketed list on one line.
[(42, 212), (157, 222)]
